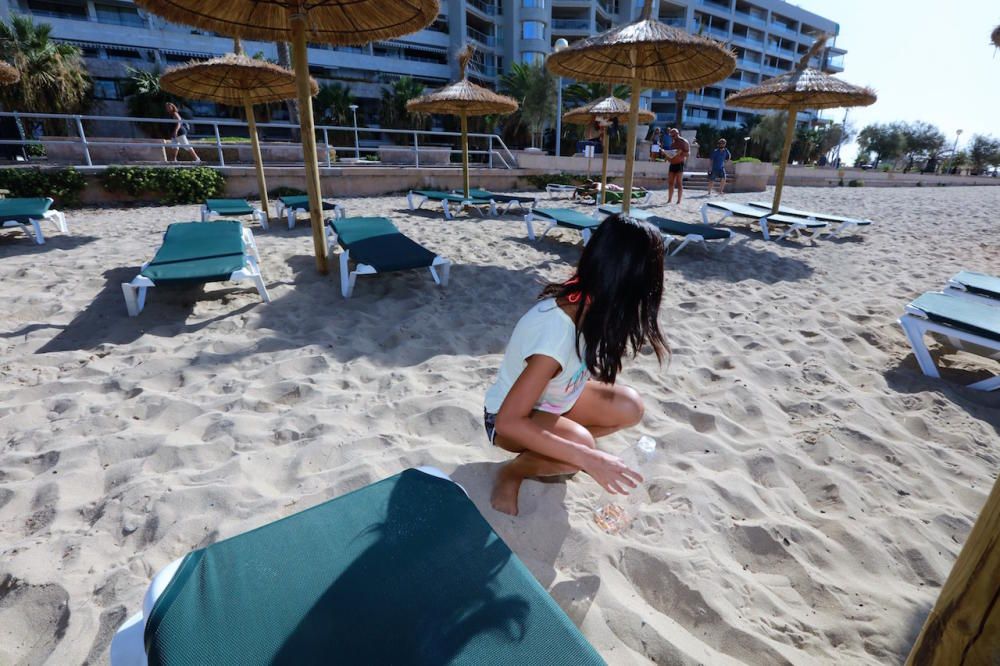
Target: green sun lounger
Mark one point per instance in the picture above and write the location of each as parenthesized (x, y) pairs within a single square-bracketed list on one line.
[(844, 224), (562, 217), (683, 232), (377, 246), (524, 203), (290, 206), (403, 571), (27, 214), (973, 325), (975, 285), (213, 208), (198, 253), (640, 196), (416, 198), (794, 226)]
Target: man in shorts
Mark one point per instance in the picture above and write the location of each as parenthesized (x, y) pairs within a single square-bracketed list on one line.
[(675, 172), (719, 158)]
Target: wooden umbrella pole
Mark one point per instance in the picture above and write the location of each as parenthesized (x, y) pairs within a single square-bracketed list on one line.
[(258, 162), (633, 121), (786, 150), (301, 64), (465, 153), (604, 163)]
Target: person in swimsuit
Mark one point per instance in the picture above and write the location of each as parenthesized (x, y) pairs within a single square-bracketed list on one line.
[(675, 172), (555, 392)]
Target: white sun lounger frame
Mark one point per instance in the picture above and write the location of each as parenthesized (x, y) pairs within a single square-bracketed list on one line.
[(794, 229), (128, 645), (556, 188), (465, 203), (916, 325), (440, 268), (34, 228), (135, 291), (529, 219), (209, 215), (282, 210), (844, 224), (959, 290)]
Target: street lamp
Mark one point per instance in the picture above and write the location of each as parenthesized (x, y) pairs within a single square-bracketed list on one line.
[(746, 141), (556, 48), (954, 150), (354, 112)]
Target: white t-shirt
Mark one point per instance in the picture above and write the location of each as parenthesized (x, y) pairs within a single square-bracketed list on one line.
[(545, 329)]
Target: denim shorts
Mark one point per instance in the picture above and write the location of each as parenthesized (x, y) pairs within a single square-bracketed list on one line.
[(490, 422), (717, 174)]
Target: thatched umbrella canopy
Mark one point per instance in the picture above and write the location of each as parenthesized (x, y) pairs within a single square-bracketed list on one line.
[(646, 54), (236, 80), (604, 111), (803, 88), (996, 36), (340, 22), (463, 99), (8, 75)]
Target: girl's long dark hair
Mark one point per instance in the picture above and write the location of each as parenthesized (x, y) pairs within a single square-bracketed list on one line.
[(618, 285)]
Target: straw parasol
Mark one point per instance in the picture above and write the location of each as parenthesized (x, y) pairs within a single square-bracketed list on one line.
[(603, 111), (463, 99), (8, 75), (803, 88), (340, 22), (646, 54), (236, 80)]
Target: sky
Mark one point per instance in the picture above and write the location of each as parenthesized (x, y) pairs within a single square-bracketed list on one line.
[(927, 60)]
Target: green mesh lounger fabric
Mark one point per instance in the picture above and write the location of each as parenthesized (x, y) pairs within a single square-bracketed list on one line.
[(197, 252), (301, 202), (567, 217), (973, 317), (404, 571), (434, 195), (672, 227), (229, 206), (499, 198), (23, 210), (823, 217), (377, 242), (978, 283)]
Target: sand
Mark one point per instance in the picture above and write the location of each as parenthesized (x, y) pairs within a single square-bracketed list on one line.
[(811, 496)]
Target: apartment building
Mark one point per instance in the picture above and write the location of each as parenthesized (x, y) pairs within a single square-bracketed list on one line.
[(769, 36)]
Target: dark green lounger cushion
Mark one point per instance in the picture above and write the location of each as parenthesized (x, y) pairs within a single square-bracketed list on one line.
[(825, 217), (24, 210), (404, 571), (668, 226), (738, 209), (567, 217), (979, 283), (377, 242), (499, 198), (229, 206), (964, 314), (196, 252), (434, 195), (301, 202)]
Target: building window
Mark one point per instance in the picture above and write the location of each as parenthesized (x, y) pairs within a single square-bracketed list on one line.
[(107, 89), (533, 58), (532, 30), (67, 10), (119, 16), (533, 4), (122, 54)]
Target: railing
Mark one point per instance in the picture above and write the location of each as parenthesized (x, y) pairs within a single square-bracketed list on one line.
[(678, 22), (718, 32), (488, 8), (716, 4), (570, 24), (756, 41), (747, 63), (777, 25), (750, 18), (483, 38), (497, 155)]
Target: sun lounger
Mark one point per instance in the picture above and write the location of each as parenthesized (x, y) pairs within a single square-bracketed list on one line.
[(562, 217), (978, 286), (524, 203), (27, 214), (291, 206), (964, 323), (844, 224), (377, 246), (213, 208), (556, 188), (446, 198), (672, 230), (794, 226), (640, 196), (197, 253), (403, 571)]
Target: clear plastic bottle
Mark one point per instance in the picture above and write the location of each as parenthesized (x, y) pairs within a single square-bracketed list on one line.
[(614, 513)]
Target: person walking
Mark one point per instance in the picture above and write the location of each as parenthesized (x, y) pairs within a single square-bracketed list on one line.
[(719, 157), (180, 133)]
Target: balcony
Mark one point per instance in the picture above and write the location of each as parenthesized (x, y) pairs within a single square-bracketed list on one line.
[(717, 5), (571, 25), (748, 64), (490, 41), (675, 22), (835, 63), (609, 7), (777, 26), (781, 51), (747, 17), (483, 7), (747, 39), (717, 32)]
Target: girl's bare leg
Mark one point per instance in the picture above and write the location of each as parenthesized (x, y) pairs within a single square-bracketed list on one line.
[(606, 408)]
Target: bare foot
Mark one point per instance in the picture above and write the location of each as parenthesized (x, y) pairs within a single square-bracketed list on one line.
[(505, 492)]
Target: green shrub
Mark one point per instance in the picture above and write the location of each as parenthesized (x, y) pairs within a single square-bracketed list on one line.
[(177, 186), (857, 182), (370, 158), (63, 185), (284, 192), (540, 181), (747, 160)]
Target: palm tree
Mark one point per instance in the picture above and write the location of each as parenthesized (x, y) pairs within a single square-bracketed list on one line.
[(332, 105), (534, 87), (53, 78), (393, 113), (579, 93), (145, 99)]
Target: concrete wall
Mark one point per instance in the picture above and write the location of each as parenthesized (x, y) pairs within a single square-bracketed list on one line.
[(829, 177)]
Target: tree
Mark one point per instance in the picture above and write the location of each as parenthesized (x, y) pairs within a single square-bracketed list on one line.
[(984, 152), (145, 99), (923, 140), (53, 78), (886, 141), (579, 93), (534, 88), (769, 135), (392, 112), (332, 105)]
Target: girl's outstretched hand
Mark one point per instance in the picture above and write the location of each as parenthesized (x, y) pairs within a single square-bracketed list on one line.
[(611, 472)]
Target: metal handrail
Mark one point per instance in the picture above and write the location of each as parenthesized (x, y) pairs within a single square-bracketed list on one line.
[(497, 148)]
